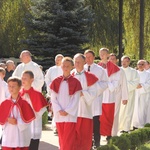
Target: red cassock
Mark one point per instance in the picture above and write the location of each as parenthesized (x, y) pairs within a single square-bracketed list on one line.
[(84, 127), (66, 129), (107, 117), (37, 99)]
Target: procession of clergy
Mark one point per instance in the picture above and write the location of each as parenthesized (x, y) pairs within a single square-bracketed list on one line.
[(88, 100)]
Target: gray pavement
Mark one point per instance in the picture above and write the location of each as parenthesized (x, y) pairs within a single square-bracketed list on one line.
[(49, 140)]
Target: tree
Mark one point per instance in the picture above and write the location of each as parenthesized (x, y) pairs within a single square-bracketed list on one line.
[(60, 26), (12, 26), (104, 30)]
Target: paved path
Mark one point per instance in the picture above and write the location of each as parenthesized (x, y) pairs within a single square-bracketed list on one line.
[(49, 140)]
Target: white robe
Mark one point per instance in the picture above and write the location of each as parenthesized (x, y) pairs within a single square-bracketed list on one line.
[(66, 102), (148, 70), (89, 94), (38, 74), (36, 124), (126, 111), (51, 74), (121, 93), (16, 135), (142, 100), (113, 83), (4, 92), (100, 73)]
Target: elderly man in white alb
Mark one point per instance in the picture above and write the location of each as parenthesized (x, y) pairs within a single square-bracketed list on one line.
[(99, 72), (28, 64), (147, 66), (142, 95), (126, 111), (54, 71)]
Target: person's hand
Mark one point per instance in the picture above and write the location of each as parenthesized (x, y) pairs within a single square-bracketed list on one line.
[(12, 121), (63, 113), (124, 102), (81, 94), (139, 86)]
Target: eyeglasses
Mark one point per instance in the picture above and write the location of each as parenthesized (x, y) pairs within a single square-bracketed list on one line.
[(140, 64)]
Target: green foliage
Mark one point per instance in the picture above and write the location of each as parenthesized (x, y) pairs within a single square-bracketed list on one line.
[(137, 137), (145, 147), (104, 30), (108, 147), (45, 118), (147, 125), (143, 137), (67, 26), (121, 142), (12, 26), (60, 27), (131, 18)]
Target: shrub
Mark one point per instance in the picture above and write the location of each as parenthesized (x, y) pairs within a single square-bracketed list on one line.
[(145, 147), (45, 118), (142, 135), (122, 142), (108, 147), (147, 125), (133, 138)]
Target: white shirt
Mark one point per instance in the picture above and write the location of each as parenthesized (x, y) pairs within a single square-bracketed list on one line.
[(38, 74), (4, 92)]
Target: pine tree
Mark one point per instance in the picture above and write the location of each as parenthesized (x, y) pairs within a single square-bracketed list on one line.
[(60, 26)]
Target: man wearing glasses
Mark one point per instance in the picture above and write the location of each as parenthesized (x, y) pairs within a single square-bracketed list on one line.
[(142, 94)]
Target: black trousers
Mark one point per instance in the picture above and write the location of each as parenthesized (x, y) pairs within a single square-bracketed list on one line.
[(96, 130), (34, 144)]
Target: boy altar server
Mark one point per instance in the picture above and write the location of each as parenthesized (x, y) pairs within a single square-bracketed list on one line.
[(38, 103), (84, 125), (108, 104), (15, 119), (65, 94)]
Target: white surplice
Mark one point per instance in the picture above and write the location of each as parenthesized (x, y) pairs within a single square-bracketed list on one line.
[(36, 124), (100, 73), (16, 135)]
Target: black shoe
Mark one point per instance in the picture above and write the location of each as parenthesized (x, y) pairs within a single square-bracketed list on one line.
[(123, 131), (134, 128), (108, 138)]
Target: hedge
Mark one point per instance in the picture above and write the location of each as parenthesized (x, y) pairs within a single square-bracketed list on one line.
[(130, 141)]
